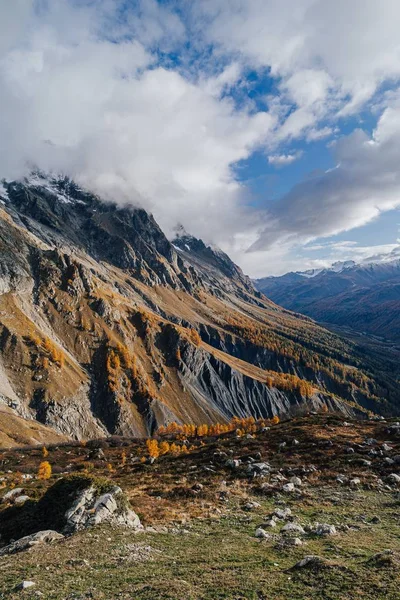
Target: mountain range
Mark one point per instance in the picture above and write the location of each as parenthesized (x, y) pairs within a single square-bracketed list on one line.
[(108, 328), (365, 297)]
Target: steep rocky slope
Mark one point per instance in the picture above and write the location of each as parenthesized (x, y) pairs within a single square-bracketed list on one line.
[(108, 328), (365, 297)]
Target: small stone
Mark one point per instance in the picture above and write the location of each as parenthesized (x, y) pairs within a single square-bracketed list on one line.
[(349, 450), (288, 488), (295, 541), (292, 528), (21, 500), (309, 561), (12, 495), (296, 481), (355, 482), (386, 448), (261, 533), (394, 478), (251, 506), (270, 523), (324, 529), (24, 585), (282, 513)]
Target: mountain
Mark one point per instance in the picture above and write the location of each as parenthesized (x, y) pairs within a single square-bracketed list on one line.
[(106, 327), (363, 296)]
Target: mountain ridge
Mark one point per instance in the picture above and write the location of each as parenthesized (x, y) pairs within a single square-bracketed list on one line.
[(107, 328)]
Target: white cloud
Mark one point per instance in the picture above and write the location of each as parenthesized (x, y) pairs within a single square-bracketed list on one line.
[(88, 87), (365, 183), (109, 115), (280, 160)]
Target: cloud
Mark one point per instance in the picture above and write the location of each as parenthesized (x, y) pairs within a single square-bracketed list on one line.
[(119, 121), (280, 160), (365, 182), (139, 101)]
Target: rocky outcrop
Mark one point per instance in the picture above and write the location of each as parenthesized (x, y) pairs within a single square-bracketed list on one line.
[(90, 509)]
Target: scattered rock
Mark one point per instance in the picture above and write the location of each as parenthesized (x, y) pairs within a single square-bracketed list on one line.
[(41, 537), (24, 585), (355, 482), (289, 488), (251, 506), (324, 529), (311, 562), (291, 528), (270, 523), (294, 541), (385, 559), (261, 533), (282, 513), (296, 481), (12, 495), (394, 478), (21, 500), (259, 469)]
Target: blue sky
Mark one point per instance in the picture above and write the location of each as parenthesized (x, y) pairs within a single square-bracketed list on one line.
[(271, 129)]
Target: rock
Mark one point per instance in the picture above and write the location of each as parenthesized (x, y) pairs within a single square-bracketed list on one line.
[(41, 537), (24, 585), (289, 488), (371, 442), (257, 469), (375, 520), (270, 523), (296, 481), (295, 541), (324, 529), (233, 463), (397, 459), (386, 448), (291, 528), (12, 495), (310, 561), (90, 509), (394, 478), (261, 533), (21, 500), (251, 506), (282, 513), (197, 487), (355, 482), (388, 460)]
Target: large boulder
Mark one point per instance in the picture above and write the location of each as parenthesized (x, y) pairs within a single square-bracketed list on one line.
[(91, 508), (71, 504)]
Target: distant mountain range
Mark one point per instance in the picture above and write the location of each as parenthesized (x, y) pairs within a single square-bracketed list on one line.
[(107, 327), (365, 296)]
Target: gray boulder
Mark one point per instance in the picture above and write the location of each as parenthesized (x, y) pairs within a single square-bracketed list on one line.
[(12, 495), (41, 537), (91, 509)]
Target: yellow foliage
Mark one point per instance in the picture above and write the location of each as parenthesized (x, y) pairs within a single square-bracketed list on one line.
[(164, 448), (44, 471), (45, 452), (275, 420), (152, 448)]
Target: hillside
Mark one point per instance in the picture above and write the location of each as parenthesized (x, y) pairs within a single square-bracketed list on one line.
[(365, 297), (301, 510), (108, 328)]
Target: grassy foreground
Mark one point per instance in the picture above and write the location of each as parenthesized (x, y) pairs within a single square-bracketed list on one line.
[(203, 546)]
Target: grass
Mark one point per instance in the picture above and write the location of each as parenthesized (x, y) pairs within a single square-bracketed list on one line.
[(202, 547)]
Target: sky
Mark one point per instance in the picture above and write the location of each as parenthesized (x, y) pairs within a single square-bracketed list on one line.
[(270, 128)]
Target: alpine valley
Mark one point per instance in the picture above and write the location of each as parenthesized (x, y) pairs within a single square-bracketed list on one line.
[(108, 328)]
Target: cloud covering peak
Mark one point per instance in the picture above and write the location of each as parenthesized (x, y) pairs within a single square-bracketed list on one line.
[(154, 103)]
